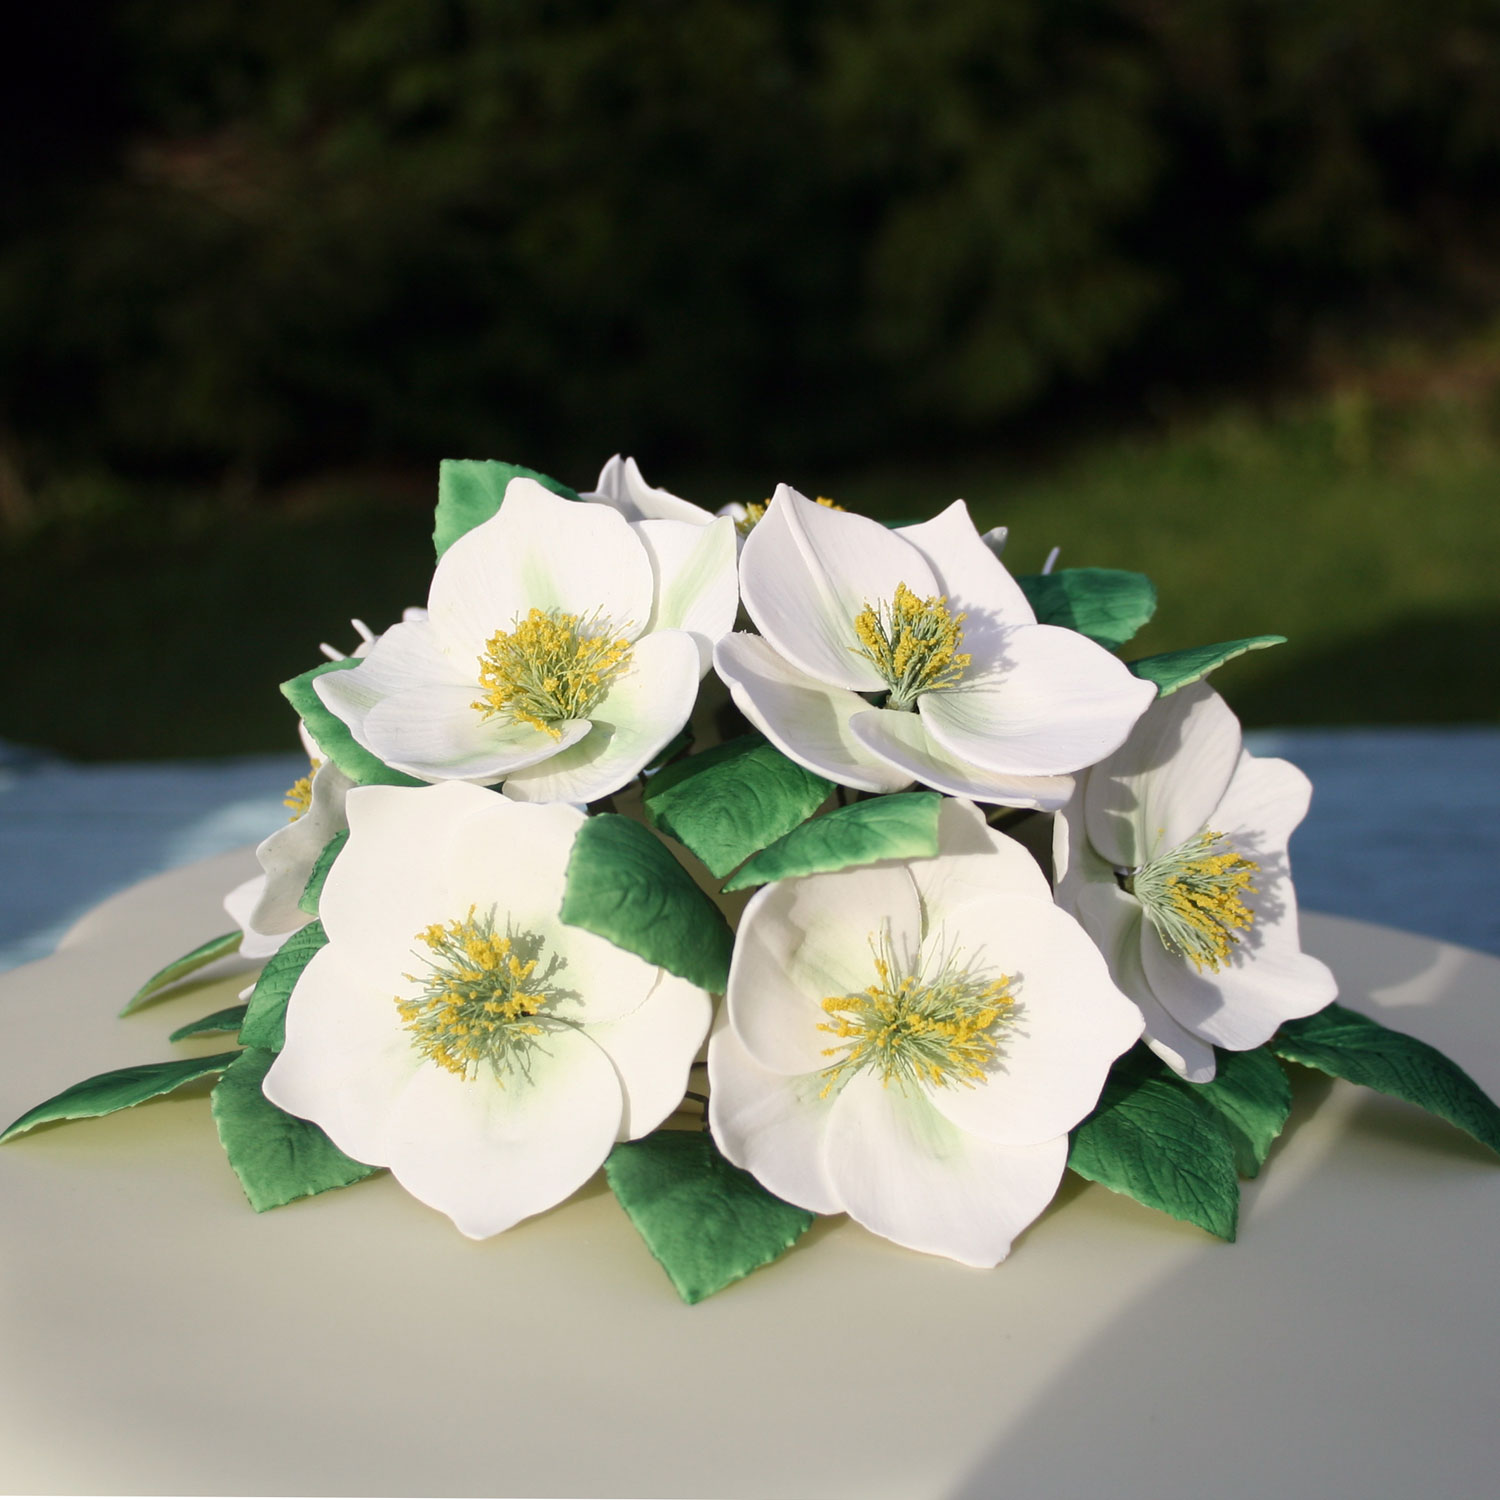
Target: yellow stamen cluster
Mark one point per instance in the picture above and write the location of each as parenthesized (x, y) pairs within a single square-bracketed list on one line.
[(913, 643), (481, 1002), (911, 1029), (298, 796), (551, 667), (1194, 897), (757, 508)]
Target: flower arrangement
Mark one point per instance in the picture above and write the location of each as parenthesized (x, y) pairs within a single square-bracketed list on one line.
[(780, 863)]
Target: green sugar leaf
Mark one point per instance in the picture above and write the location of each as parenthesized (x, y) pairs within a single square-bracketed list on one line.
[(705, 1220), (229, 1019), (623, 885), (333, 735), (1157, 1142), (1251, 1092), (313, 890), (1176, 669), (1347, 1045), (732, 801), (1105, 604), (200, 958), (265, 1017), (105, 1093), (276, 1156), (903, 826), (470, 491)]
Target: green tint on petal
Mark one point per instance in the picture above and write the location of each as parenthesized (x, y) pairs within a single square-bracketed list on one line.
[(1107, 605), (624, 885), (705, 1220), (730, 802), (1250, 1090), (901, 826), (105, 1093), (200, 958), (1345, 1044), (265, 1017), (333, 735), (313, 890), (1155, 1141), (229, 1019), (1177, 669), (276, 1156), (470, 491)]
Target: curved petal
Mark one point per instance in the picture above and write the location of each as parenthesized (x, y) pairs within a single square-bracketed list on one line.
[(905, 1172), (770, 1124), (539, 551), (975, 866), (807, 571), (1048, 703), (804, 718), (802, 941), (652, 1047), (623, 486), (1071, 1024), (438, 734), (639, 714), (489, 1156), (406, 658), (902, 740), (1264, 802), (240, 904), (1162, 785), (697, 580), (971, 575)]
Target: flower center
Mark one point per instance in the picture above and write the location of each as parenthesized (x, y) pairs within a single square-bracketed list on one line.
[(298, 796), (551, 667), (757, 508), (913, 1029), (913, 643), (482, 998), (1193, 896)]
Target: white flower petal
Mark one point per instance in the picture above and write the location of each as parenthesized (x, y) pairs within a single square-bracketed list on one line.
[(1163, 784), (804, 718), (901, 740), (489, 1156), (1265, 801), (288, 855), (539, 551), (970, 573), (437, 734), (240, 903), (643, 709), (806, 573), (652, 1048), (407, 657), (697, 581), (975, 866), (1048, 702), (803, 941), (1072, 1023), (905, 1172), (771, 1124), (623, 486)]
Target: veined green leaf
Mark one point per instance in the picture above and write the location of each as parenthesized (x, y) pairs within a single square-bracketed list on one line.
[(228, 1019), (1176, 669), (1250, 1090), (265, 1017), (308, 901), (1107, 605), (200, 958)]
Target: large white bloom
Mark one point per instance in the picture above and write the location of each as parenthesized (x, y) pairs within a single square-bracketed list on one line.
[(1173, 855), (887, 657), (455, 1031), (562, 649), (912, 1041)]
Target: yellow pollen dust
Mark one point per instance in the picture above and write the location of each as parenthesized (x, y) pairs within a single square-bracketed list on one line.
[(757, 508), (549, 668), (1194, 895), (913, 643), (911, 1029), (298, 796), (480, 999)]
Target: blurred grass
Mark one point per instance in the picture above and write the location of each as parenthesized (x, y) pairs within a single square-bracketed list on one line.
[(1367, 531)]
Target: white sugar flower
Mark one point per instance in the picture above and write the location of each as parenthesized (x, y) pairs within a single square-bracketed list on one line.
[(911, 1042), (623, 487), (1173, 855), (455, 1031), (886, 657), (562, 649)]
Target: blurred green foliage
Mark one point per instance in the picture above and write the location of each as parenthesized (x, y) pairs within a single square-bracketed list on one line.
[(259, 238)]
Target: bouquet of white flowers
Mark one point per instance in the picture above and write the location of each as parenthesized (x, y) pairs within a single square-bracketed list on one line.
[(1019, 906)]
